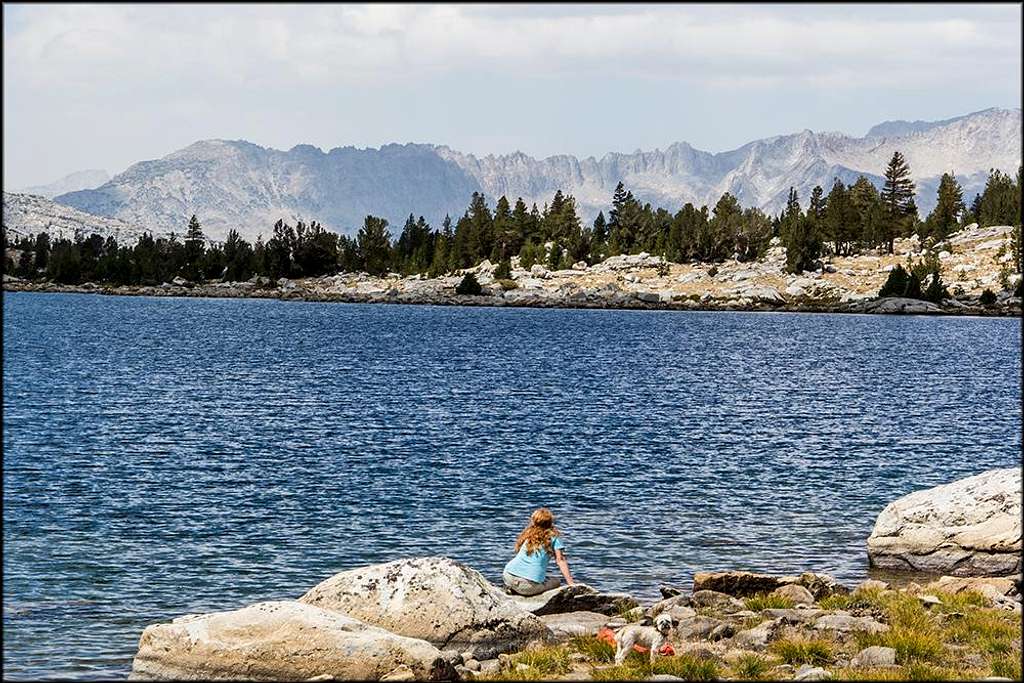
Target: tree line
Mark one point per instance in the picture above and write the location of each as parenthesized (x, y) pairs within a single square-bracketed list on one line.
[(846, 220)]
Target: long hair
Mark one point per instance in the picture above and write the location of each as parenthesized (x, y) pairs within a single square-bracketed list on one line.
[(539, 532)]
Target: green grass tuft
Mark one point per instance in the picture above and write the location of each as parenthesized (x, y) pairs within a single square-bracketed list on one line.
[(594, 649), (767, 601), (798, 651), (751, 667), (687, 667), (1007, 666)]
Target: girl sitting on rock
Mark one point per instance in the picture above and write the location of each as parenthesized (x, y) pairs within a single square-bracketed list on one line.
[(525, 573)]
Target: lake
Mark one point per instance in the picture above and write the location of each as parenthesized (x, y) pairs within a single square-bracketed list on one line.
[(165, 456)]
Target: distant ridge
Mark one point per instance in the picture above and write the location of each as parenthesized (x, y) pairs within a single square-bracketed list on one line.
[(237, 184)]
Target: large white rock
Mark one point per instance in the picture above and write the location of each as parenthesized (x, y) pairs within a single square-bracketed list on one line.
[(280, 641), (971, 527), (434, 598)]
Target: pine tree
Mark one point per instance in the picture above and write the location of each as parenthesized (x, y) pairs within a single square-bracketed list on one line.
[(1000, 202), (195, 245), (506, 232), (840, 220), (945, 217), (898, 197), (598, 239), (791, 215), (868, 214), (374, 245)]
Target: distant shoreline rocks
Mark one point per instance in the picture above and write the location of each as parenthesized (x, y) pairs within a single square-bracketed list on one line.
[(971, 270)]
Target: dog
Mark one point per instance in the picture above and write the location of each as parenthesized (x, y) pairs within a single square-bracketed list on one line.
[(652, 637)]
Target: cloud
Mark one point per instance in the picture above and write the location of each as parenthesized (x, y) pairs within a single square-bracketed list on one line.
[(86, 46)]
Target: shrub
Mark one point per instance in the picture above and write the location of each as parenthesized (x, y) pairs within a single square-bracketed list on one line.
[(542, 662), (469, 285), (504, 270), (506, 285), (798, 651), (765, 601), (750, 667), (900, 283), (1007, 666), (529, 255), (910, 644), (687, 667), (594, 649), (987, 298)]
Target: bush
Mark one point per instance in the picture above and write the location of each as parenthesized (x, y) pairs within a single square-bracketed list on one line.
[(799, 651), (469, 286), (763, 601), (908, 284), (898, 283), (504, 270), (987, 298), (751, 667)]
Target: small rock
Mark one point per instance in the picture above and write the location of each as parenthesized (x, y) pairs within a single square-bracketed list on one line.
[(669, 591), (710, 598), (782, 670), (929, 600), (811, 673), (722, 631), (796, 593), (845, 623), (872, 584), (490, 667), (874, 656), (472, 665), (466, 656), (757, 638)]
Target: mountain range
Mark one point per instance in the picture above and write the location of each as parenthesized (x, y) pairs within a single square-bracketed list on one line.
[(80, 180), (237, 184)]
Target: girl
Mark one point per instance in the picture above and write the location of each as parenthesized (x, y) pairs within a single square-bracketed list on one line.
[(525, 573)]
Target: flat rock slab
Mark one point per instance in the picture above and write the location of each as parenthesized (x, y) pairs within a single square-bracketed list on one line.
[(433, 598), (576, 598), (278, 641), (845, 623), (971, 527)]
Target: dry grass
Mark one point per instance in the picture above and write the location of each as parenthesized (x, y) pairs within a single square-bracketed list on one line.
[(687, 667), (798, 651), (763, 601)]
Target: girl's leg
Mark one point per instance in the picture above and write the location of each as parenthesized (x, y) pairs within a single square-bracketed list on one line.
[(551, 583), (525, 587)]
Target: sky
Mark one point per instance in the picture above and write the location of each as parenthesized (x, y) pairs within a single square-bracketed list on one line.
[(105, 86)]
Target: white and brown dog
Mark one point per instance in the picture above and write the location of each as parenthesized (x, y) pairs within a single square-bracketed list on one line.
[(652, 637)]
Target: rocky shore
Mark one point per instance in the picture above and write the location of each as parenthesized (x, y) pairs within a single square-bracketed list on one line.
[(434, 618), (970, 262)]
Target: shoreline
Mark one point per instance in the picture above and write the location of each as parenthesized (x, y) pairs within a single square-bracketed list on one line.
[(298, 290)]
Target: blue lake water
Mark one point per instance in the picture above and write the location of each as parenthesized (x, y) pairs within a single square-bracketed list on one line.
[(167, 456)]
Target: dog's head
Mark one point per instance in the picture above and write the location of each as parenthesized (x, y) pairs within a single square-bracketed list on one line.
[(663, 623)]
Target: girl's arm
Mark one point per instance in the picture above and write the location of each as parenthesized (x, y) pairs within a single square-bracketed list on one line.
[(563, 565)]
